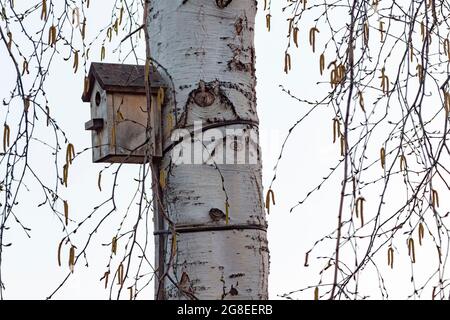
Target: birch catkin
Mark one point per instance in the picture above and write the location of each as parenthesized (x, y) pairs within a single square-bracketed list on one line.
[(131, 292), (44, 10), (403, 163), (26, 103), (296, 36), (114, 245), (322, 63), (333, 80), (66, 212), (383, 157), (411, 52), (70, 153), (162, 178), (120, 275), (76, 17), (359, 206), (65, 174), (268, 16), (72, 259), (361, 101), (384, 81), (343, 146), (422, 30), (391, 257), (75, 62), (366, 33), (312, 37), (25, 67), (106, 277), (434, 198), (270, 195), (10, 39), (170, 122), (381, 28), (287, 63), (6, 137), (421, 232), (336, 129), (447, 48), (121, 15), (86, 85), (447, 103), (52, 35), (103, 53), (116, 27), (411, 250), (419, 69)]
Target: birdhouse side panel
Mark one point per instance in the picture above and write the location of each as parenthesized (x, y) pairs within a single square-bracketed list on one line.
[(101, 138), (130, 121)]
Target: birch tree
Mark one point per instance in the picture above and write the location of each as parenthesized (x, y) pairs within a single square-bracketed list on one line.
[(212, 230), (210, 223)]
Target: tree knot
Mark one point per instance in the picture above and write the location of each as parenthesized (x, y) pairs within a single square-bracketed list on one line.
[(205, 96), (223, 3), (216, 214)]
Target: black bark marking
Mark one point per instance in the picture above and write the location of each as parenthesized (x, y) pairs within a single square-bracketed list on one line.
[(220, 3), (237, 275), (240, 54), (223, 3), (233, 291), (239, 26), (216, 214)]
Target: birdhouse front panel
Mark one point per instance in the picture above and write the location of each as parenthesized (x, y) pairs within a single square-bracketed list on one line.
[(130, 123)]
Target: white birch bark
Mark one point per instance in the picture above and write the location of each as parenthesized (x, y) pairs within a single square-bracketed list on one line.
[(207, 50)]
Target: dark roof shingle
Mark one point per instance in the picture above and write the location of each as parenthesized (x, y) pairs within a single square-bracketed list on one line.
[(123, 78)]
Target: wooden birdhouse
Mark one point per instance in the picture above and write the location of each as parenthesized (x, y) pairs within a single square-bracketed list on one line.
[(119, 116)]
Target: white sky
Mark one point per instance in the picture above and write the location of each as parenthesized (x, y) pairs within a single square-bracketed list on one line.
[(30, 265)]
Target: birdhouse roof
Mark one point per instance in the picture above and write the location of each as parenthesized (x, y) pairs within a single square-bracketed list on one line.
[(124, 78)]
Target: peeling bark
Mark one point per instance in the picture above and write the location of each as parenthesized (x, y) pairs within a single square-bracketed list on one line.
[(207, 49)]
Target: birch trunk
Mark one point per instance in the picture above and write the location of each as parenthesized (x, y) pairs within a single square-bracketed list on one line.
[(206, 50)]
